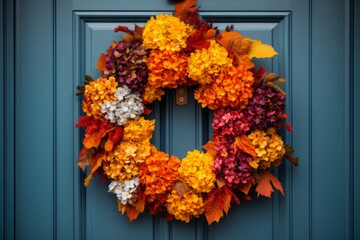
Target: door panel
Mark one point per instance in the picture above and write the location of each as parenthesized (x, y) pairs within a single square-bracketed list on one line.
[(178, 129)]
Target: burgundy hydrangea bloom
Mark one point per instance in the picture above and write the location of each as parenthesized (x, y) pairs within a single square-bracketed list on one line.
[(232, 166), (126, 61), (265, 108), (229, 122)]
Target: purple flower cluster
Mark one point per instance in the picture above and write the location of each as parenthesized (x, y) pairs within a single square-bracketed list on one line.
[(126, 61), (265, 108)]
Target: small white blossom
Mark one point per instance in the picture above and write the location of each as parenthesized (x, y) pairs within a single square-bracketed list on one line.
[(124, 191), (128, 106)]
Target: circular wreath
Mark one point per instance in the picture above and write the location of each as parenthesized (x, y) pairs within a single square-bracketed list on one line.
[(249, 109)]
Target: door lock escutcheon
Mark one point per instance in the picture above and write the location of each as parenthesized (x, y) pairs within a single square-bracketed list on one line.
[(181, 96)]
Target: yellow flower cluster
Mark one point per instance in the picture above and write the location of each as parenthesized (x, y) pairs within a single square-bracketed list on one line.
[(269, 147), (183, 207), (231, 88), (206, 64), (151, 93), (166, 69), (97, 92), (158, 173), (165, 32), (139, 130), (196, 170), (123, 163)]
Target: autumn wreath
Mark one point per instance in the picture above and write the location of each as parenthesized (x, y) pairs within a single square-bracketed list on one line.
[(249, 109)]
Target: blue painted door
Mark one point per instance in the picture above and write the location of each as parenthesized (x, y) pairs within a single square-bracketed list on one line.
[(52, 45)]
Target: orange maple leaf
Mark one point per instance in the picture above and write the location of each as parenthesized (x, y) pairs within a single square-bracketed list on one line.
[(109, 145), (95, 162), (84, 158), (245, 145), (101, 62), (216, 204), (210, 148), (182, 7), (264, 187), (245, 188)]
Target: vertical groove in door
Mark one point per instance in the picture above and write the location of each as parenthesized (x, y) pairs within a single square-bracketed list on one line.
[(54, 109), (349, 118), (310, 50)]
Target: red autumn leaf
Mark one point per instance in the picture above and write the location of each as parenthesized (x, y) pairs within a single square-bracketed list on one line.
[(288, 127), (216, 204), (138, 31), (210, 148), (182, 7), (266, 181), (245, 145)]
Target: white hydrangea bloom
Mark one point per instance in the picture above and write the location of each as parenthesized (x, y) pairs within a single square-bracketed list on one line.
[(124, 191), (128, 106)]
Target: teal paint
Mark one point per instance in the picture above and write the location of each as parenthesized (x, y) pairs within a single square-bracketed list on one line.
[(63, 46), (356, 117), (34, 120)]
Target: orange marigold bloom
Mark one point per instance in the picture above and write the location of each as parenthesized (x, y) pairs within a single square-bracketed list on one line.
[(232, 88), (166, 69), (151, 93), (183, 207), (96, 93), (158, 173)]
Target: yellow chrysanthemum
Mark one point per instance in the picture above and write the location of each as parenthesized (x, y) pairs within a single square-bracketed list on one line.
[(206, 63), (151, 93), (166, 69), (183, 207), (269, 147), (158, 173), (231, 88), (96, 93), (165, 32), (196, 170)]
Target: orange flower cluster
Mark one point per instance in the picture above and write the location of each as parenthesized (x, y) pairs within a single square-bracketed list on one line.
[(97, 92), (123, 163), (151, 93), (183, 207), (158, 173), (166, 69), (232, 88)]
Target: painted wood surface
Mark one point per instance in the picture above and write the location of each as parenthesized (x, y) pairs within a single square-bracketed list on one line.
[(47, 50)]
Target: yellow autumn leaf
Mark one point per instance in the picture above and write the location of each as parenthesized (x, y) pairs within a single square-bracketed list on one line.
[(261, 50)]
